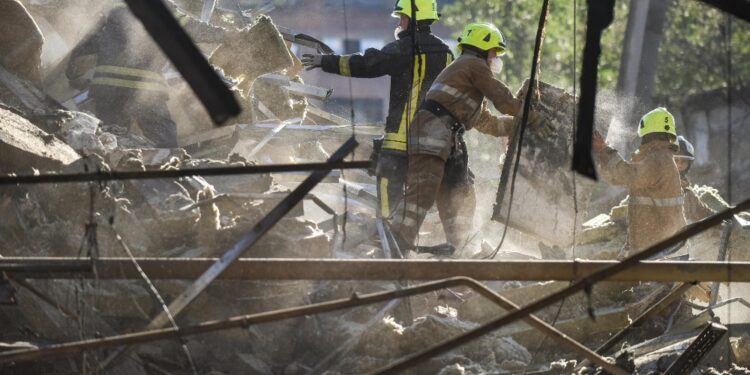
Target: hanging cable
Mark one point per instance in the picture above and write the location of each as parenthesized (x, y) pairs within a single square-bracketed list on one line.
[(729, 105), (524, 118), (573, 127), (575, 195), (416, 63), (351, 120), (729, 72)]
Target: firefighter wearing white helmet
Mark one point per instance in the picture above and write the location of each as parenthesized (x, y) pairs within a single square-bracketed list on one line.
[(412, 62), (655, 203), (694, 208), (438, 158)]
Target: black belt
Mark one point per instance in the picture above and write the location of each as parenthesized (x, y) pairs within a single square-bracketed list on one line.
[(440, 111)]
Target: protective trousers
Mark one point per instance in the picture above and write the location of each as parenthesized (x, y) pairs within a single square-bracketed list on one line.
[(391, 175), (437, 173), (153, 118)]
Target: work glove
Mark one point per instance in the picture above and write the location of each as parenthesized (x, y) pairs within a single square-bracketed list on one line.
[(598, 142), (311, 62)]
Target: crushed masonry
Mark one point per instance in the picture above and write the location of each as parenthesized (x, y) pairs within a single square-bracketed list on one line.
[(201, 217)]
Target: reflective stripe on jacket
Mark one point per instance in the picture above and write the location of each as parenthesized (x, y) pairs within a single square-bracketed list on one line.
[(396, 60), (124, 77), (462, 88), (655, 207)]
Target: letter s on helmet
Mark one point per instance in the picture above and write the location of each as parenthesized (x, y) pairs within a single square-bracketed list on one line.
[(426, 9), (657, 121), (483, 36)]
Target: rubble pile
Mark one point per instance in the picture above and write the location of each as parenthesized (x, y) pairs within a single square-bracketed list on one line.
[(203, 217)]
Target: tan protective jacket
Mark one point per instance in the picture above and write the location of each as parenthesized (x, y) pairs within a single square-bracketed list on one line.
[(461, 88), (655, 205)]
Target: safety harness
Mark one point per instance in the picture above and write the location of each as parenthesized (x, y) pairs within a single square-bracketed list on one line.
[(457, 128)]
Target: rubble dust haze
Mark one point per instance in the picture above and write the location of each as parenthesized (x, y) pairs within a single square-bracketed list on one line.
[(555, 216)]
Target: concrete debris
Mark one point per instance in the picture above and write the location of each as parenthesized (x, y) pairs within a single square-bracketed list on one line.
[(388, 341), (80, 132), (262, 47), (26, 148), (741, 349), (203, 217)]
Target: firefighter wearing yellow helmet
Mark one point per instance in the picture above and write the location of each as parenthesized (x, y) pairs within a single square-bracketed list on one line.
[(425, 9), (438, 169), (412, 62), (655, 203)]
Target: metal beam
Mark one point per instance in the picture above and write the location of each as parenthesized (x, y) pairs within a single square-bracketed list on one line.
[(600, 16), (375, 269), (223, 171), (652, 311), (691, 357), (71, 348)]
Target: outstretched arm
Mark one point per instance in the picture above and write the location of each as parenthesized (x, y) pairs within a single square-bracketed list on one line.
[(496, 126), (373, 63)]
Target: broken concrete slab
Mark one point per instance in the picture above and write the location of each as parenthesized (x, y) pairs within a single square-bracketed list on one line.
[(600, 228), (262, 48), (24, 147), (544, 180)]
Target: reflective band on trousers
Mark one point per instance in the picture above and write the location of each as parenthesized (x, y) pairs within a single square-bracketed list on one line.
[(385, 210), (658, 202), (452, 91)]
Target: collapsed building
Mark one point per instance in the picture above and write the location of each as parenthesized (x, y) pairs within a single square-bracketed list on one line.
[(122, 237)]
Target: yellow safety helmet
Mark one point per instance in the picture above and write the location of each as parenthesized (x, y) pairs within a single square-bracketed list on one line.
[(484, 36), (426, 9), (657, 121)]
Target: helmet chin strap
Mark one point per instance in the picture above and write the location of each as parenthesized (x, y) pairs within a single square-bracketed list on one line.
[(396, 31)]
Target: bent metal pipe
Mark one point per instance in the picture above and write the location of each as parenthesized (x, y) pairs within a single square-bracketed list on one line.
[(71, 348)]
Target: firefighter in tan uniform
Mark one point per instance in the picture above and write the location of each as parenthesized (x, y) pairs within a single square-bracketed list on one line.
[(655, 204), (437, 155), (695, 209)]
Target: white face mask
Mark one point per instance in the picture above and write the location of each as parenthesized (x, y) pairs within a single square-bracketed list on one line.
[(496, 65), (397, 31)]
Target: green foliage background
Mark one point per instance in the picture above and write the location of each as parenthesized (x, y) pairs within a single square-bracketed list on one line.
[(693, 54)]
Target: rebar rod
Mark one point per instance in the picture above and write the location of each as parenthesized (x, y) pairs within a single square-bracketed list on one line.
[(71, 348), (375, 269), (177, 173)]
